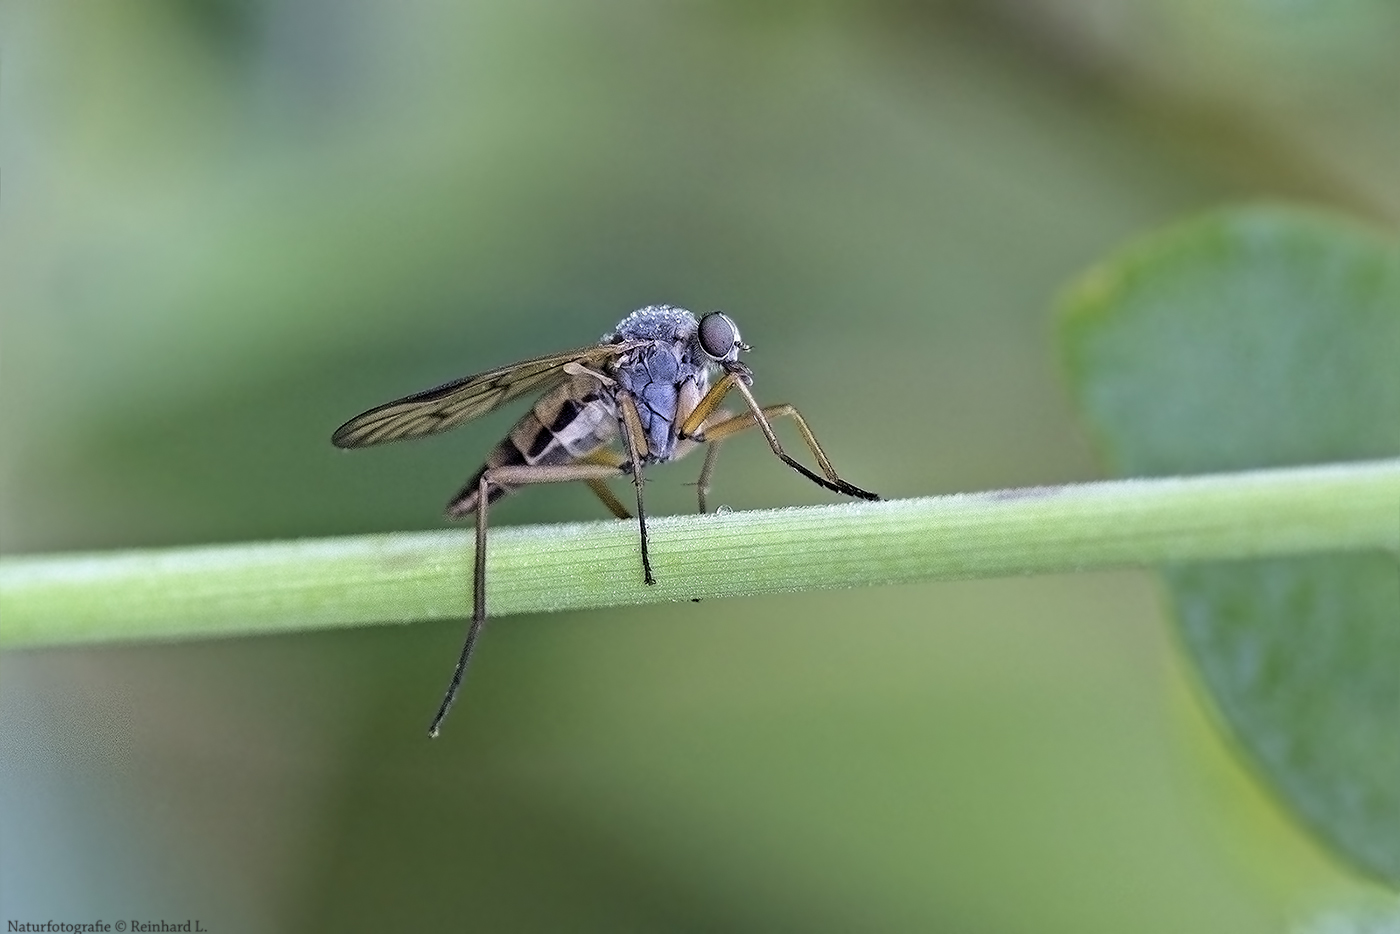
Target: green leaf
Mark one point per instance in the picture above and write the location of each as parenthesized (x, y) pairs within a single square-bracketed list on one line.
[(1268, 337)]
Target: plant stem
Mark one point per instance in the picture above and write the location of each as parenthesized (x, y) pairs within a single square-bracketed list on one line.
[(245, 589)]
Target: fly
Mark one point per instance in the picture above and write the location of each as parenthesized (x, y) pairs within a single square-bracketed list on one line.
[(642, 396)]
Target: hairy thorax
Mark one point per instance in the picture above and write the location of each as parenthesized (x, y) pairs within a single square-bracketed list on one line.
[(666, 380)]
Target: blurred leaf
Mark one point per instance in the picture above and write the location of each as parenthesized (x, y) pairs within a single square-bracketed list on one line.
[(1265, 337), (1359, 918)]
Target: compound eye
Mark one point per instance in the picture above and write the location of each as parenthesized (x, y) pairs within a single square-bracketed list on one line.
[(718, 336)]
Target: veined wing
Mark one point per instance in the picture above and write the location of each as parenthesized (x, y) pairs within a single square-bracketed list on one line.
[(462, 400)]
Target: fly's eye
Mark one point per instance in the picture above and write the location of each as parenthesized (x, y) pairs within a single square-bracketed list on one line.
[(719, 338)]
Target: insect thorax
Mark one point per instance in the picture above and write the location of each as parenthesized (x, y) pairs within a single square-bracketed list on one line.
[(666, 375)]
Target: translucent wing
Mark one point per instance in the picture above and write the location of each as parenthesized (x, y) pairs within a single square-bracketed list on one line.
[(462, 400)]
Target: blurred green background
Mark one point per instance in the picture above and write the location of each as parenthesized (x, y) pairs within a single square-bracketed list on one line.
[(228, 226)]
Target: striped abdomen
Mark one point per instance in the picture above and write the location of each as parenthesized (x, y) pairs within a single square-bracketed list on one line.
[(564, 425)]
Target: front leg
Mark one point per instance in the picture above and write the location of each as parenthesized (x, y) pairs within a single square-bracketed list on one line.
[(694, 428)]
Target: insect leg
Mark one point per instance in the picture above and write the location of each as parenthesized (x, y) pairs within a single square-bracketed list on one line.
[(707, 469), (694, 427), (693, 423), (599, 487), (514, 475), (635, 439), (702, 485)]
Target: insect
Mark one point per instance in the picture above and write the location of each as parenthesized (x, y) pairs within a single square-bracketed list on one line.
[(641, 396)]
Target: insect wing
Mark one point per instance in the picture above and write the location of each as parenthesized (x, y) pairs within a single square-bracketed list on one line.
[(462, 400)]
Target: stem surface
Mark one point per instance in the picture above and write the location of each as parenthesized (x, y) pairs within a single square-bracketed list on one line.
[(227, 590)]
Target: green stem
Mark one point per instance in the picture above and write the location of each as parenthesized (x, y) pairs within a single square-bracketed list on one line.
[(403, 577)]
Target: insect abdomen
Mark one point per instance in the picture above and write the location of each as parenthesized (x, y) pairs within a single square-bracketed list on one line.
[(562, 427)]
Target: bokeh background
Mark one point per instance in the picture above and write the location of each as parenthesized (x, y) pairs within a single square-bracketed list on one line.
[(227, 226)]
